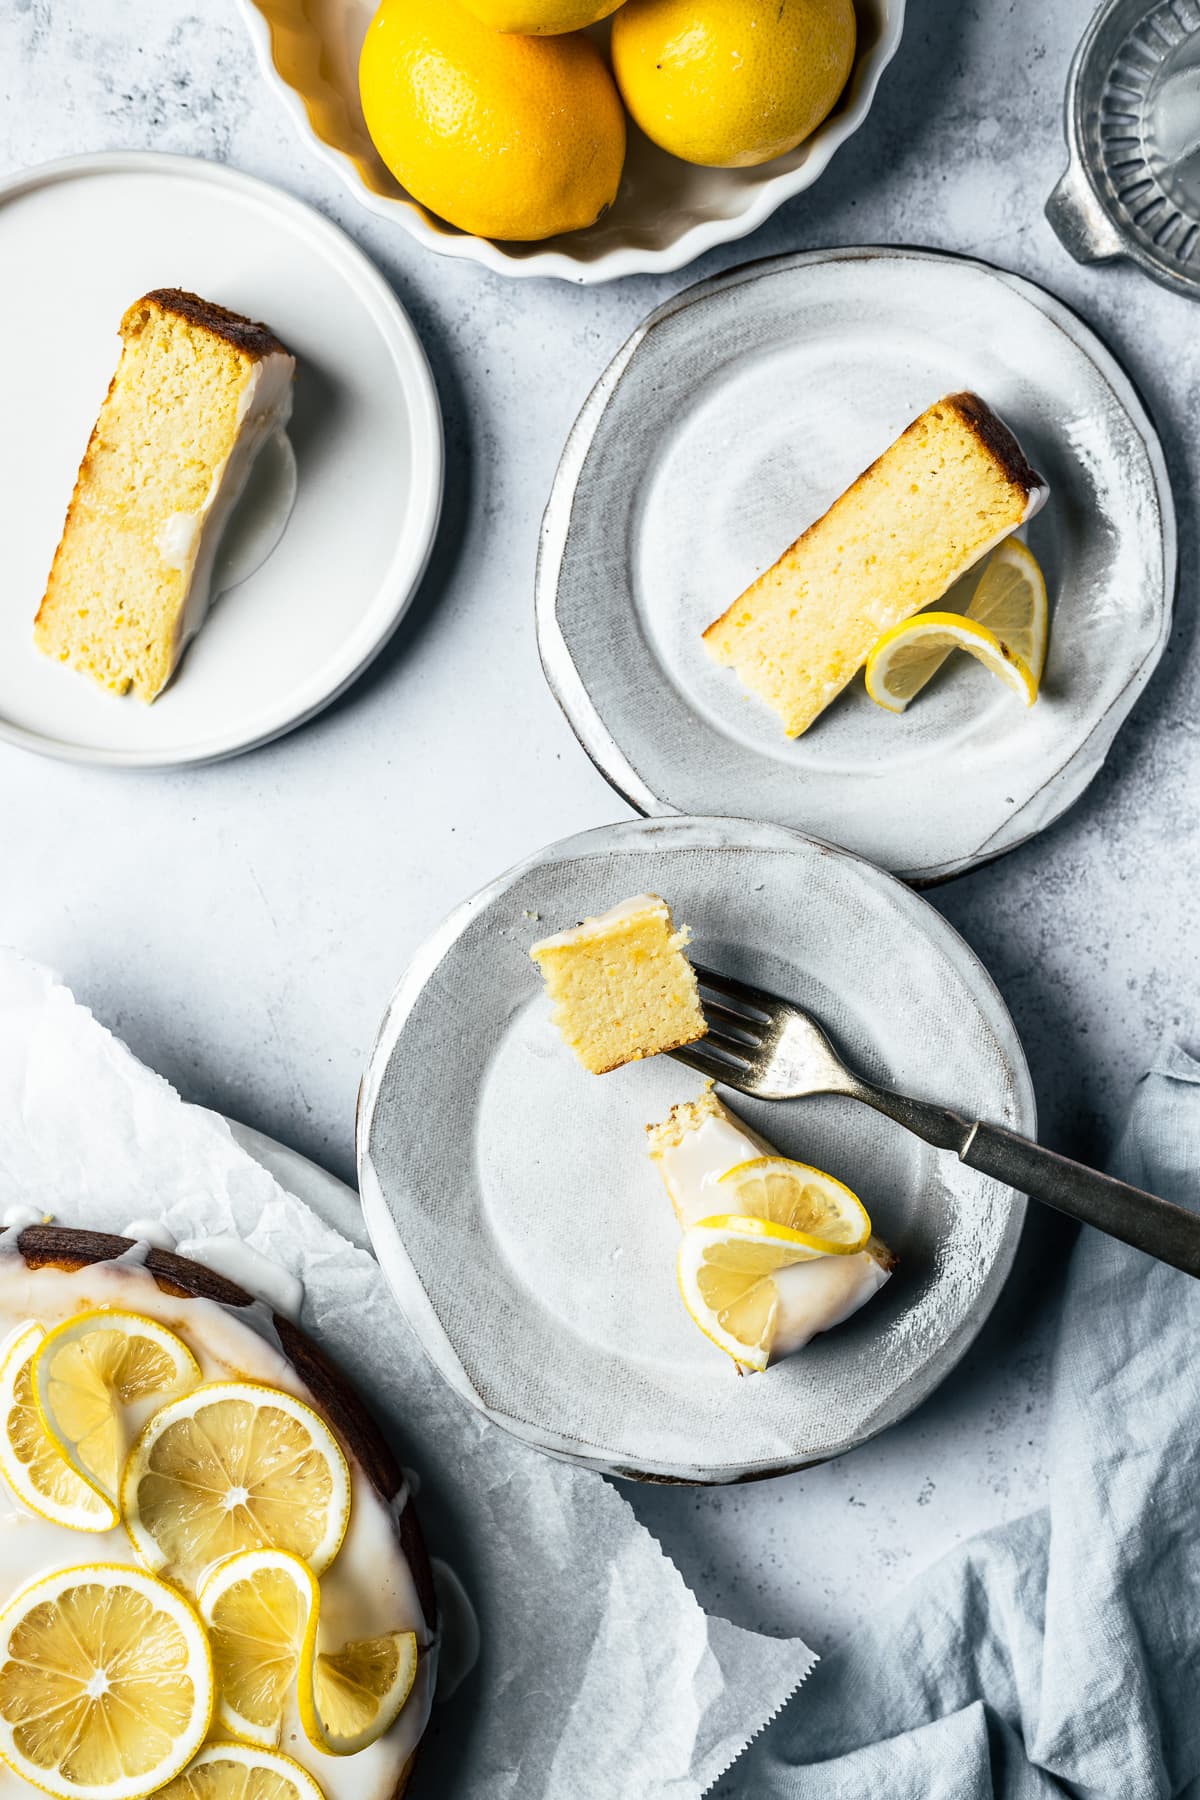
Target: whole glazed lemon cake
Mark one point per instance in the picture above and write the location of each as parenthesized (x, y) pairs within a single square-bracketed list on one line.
[(197, 392), (212, 1583)]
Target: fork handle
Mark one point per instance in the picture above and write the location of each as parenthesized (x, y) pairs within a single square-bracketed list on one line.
[(1160, 1228)]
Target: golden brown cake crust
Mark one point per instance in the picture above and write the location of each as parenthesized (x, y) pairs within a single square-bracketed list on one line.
[(63, 1247), (996, 439), (110, 609), (993, 435), (249, 336)]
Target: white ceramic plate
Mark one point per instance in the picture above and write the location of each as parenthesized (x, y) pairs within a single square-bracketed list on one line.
[(80, 240), (667, 212), (524, 1231), (729, 421), (334, 1203)]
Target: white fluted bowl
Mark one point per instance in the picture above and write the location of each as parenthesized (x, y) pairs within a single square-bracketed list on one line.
[(667, 212)]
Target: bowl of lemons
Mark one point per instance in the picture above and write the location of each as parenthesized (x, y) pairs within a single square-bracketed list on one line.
[(583, 139)]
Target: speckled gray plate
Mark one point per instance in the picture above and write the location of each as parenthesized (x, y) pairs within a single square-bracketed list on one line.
[(729, 421), (525, 1233)]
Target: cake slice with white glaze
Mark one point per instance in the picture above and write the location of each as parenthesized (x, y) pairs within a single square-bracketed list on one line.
[(197, 392), (695, 1147), (953, 485)]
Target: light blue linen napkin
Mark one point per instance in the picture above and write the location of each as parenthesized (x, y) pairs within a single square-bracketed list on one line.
[(1060, 1653)]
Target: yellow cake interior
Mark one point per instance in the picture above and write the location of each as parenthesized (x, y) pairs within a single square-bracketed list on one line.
[(621, 986), (182, 398), (952, 486)]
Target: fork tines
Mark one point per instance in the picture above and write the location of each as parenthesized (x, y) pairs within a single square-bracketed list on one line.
[(725, 1066), (746, 999), (738, 1017)]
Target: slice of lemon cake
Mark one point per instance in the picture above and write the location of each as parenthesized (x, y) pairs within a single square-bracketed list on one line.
[(951, 487), (773, 1251), (621, 986), (197, 392)]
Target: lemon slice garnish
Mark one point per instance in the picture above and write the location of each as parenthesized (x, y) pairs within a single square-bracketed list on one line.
[(234, 1466), (261, 1609), (350, 1697), (819, 1212), (1011, 601), (726, 1267), (263, 1612), (241, 1772), (34, 1467), (1006, 626), (106, 1686), (896, 667), (89, 1370)]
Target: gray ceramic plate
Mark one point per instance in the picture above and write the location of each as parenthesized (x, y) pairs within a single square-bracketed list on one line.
[(729, 421), (524, 1231)]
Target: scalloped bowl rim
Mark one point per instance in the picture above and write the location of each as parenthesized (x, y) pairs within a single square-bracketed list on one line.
[(705, 235)]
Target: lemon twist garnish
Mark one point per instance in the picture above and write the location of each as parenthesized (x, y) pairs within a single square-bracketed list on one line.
[(263, 1613), (1005, 627), (88, 1371), (33, 1465), (817, 1209)]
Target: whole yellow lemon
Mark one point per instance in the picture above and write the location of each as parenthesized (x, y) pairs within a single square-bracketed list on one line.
[(506, 137), (541, 18), (732, 82)]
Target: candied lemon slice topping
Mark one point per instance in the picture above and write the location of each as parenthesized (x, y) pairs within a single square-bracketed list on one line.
[(89, 1371), (261, 1609), (350, 1697), (234, 1466), (242, 1772), (106, 1687), (817, 1209), (263, 1613), (34, 1467)]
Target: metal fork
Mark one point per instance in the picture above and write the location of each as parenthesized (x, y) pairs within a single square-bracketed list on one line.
[(767, 1047)]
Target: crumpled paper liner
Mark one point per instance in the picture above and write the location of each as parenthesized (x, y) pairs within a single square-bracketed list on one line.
[(599, 1677)]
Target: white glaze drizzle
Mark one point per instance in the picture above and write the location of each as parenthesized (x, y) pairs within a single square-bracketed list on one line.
[(151, 1232), (135, 1256), (280, 1291), (458, 1630), (17, 1216)]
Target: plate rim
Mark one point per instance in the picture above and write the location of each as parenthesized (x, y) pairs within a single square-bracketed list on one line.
[(558, 666), (414, 218), (414, 376), (387, 1244)]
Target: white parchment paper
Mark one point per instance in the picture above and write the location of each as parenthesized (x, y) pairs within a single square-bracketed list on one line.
[(600, 1678)]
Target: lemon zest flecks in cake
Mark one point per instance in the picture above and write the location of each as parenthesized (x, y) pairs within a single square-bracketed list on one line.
[(952, 486), (621, 986), (175, 436)]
